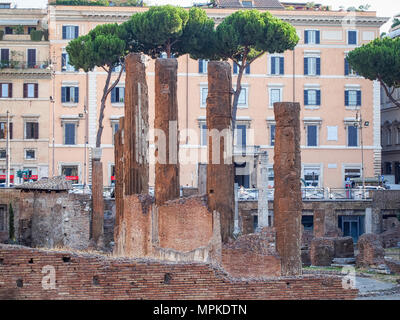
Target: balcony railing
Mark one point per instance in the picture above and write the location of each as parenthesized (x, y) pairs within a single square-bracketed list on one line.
[(313, 194), (21, 65)]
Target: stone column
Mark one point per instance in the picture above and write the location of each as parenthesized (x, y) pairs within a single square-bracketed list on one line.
[(319, 223), (119, 176), (97, 199), (287, 199), (167, 186), (263, 193), (136, 124), (368, 220), (220, 168)]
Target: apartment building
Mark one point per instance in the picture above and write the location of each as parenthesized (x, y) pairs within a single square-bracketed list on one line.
[(391, 131), (315, 74), (25, 86)]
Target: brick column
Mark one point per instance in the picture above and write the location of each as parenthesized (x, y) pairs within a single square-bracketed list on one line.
[(319, 223), (166, 121), (220, 168), (119, 177), (136, 124), (97, 200), (287, 198)]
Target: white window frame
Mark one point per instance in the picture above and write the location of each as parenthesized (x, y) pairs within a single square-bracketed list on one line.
[(202, 88), (25, 154), (273, 87), (277, 70), (68, 27), (245, 90), (315, 36), (316, 167)]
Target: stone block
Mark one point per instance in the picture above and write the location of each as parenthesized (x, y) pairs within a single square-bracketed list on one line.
[(344, 247), (370, 251), (322, 251)]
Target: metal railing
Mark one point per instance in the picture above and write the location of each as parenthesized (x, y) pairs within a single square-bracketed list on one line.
[(15, 64), (313, 194)]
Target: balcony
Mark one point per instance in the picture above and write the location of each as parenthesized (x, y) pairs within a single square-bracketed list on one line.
[(24, 67)]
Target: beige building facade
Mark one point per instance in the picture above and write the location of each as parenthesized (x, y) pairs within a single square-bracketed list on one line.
[(25, 86), (314, 74)]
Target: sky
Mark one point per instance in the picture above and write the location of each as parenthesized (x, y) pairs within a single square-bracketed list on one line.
[(384, 8)]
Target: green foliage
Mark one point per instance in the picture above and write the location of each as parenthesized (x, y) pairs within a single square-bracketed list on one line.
[(36, 35), (379, 59), (102, 46), (246, 34), (19, 29), (395, 23), (101, 3), (156, 30), (11, 229), (128, 3)]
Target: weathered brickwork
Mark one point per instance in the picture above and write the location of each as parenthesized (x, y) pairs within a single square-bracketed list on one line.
[(288, 201), (97, 220), (87, 276), (370, 251), (220, 168), (166, 123)]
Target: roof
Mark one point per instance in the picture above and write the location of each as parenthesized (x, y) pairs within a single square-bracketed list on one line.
[(270, 4), (58, 183)]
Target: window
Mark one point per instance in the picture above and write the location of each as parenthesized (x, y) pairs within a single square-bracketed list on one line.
[(65, 66), (30, 154), (31, 130), (312, 36), (352, 173), (3, 153), (70, 32), (117, 68), (271, 177), (3, 130), (277, 65), (388, 168), (31, 90), (69, 133), (3, 215), (32, 174), (351, 37), (352, 136), (70, 94), (312, 135), (312, 66), (312, 97), (5, 90), (352, 98), (348, 71), (117, 95), (203, 134), (31, 58), (5, 5), (272, 135), (31, 29), (204, 93), (236, 69), (240, 135), (70, 171), (115, 128), (242, 102), (4, 57), (389, 137), (247, 4), (203, 64), (8, 30), (275, 95), (312, 176)]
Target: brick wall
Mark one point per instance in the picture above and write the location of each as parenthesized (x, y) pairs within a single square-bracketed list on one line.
[(85, 276)]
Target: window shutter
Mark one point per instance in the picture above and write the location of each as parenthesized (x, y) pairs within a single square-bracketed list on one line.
[(248, 69), (64, 32), (10, 93), (76, 94), (318, 61), (76, 31), (317, 37), (63, 94), (235, 68), (318, 97), (273, 65), (11, 130), (36, 90), (36, 130), (305, 36), (5, 56), (281, 65), (200, 66), (25, 90), (63, 61), (306, 66), (346, 98), (359, 98), (113, 96), (306, 97)]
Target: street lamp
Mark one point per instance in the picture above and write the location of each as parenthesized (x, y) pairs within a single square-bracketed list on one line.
[(358, 123)]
